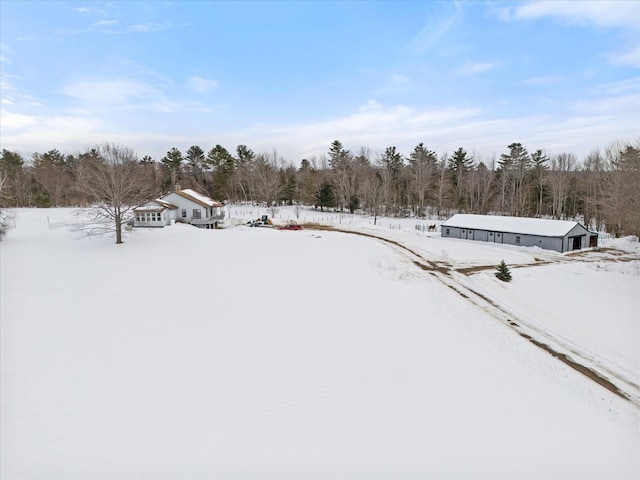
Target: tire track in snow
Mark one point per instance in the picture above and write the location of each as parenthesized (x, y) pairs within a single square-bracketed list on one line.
[(573, 356)]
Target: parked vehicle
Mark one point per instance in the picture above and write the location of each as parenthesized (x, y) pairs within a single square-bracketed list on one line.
[(263, 221), (291, 226)]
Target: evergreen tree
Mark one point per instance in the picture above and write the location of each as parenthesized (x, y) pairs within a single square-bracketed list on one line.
[(196, 163), (337, 154), (11, 164), (503, 272), (539, 170), (173, 161), (223, 165), (242, 173), (459, 166), (325, 197)]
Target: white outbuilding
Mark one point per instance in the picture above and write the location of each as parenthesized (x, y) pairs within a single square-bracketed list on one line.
[(559, 235)]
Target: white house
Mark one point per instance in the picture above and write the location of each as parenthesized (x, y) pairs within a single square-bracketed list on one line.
[(559, 235), (185, 206)]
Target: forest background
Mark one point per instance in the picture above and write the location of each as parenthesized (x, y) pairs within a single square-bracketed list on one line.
[(600, 190)]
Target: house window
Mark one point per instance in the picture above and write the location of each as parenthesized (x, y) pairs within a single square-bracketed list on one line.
[(196, 213), (184, 213)]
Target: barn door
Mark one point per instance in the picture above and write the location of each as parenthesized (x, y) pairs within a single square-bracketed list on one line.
[(576, 242), (469, 234)]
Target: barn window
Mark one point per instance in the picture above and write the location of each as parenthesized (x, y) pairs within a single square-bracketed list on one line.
[(447, 231), (517, 239)]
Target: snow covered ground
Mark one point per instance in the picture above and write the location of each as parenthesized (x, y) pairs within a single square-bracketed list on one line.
[(259, 353)]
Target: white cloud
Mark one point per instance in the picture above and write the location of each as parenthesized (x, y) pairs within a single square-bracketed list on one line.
[(630, 85), (543, 80), (629, 57), (149, 27), (398, 79), (436, 27), (14, 121), (109, 92), (101, 23), (473, 68), (201, 85), (600, 13), (370, 105), (4, 49), (610, 114)]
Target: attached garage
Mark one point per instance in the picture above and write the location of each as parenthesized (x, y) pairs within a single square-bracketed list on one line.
[(559, 235)]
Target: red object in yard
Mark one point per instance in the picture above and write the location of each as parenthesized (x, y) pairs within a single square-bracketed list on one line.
[(291, 226)]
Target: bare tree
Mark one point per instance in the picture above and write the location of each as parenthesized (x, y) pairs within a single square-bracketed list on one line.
[(442, 187), (112, 176), (373, 191), (267, 177), (480, 188), (559, 181), (423, 166), (621, 207), (591, 186)]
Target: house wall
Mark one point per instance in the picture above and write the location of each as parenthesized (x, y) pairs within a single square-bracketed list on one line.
[(184, 204)]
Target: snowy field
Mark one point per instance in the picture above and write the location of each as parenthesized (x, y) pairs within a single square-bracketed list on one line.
[(260, 353)]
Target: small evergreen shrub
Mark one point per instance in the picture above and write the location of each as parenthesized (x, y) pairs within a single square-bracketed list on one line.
[(503, 272)]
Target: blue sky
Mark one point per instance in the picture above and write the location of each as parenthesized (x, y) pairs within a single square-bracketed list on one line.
[(294, 76)]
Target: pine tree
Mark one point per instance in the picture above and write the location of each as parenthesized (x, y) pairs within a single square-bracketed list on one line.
[(503, 272)]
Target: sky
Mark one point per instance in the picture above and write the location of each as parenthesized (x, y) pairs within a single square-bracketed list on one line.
[(292, 77)]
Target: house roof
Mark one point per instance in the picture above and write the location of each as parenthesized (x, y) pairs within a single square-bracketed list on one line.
[(156, 205), (198, 198), (524, 225), (161, 202)]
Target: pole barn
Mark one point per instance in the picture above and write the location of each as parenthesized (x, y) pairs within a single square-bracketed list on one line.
[(559, 235)]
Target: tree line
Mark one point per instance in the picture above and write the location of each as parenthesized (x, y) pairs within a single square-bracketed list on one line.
[(601, 190)]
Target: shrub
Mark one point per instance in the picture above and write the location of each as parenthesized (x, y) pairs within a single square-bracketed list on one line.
[(503, 272)]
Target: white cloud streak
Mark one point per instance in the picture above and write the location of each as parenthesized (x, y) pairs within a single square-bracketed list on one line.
[(201, 85), (436, 27), (630, 58), (474, 68), (599, 13), (112, 92)]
